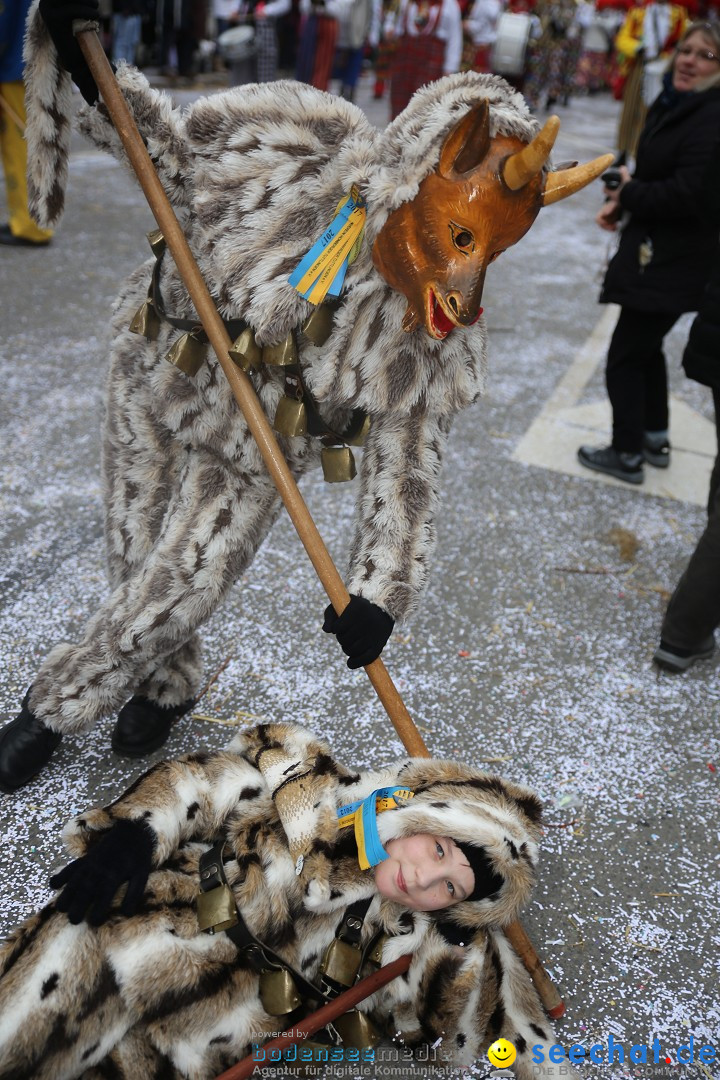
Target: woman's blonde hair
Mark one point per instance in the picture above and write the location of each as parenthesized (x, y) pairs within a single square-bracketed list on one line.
[(710, 31)]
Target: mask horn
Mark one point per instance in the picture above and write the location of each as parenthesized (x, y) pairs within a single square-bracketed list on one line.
[(467, 144), (520, 168), (567, 181)]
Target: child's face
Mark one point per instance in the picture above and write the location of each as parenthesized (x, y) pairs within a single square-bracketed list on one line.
[(424, 873)]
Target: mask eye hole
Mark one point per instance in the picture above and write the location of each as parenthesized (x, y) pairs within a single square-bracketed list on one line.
[(462, 238)]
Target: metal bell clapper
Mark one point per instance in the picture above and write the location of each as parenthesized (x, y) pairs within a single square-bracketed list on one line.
[(281, 355), (290, 417), (216, 909), (146, 321), (188, 354), (341, 962), (356, 1029), (245, 351), (278, 992), (318, 327), (157, 242), (338, 464)]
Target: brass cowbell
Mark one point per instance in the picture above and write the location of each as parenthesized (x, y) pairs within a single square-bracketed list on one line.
[(338, 464), (216, 909), (290, 417), (278, 992), (245, 351), (146, 321), (284, 354), (188, 354), (318, 326), (356, 1029)]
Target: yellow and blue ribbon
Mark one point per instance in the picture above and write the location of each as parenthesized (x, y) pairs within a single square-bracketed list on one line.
[(363, 816), (322, 271)]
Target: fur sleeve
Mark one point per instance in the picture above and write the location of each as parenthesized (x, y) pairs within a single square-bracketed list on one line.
[(160, 125), (189, 798), (49, 110), (303, 779), (395, 529)]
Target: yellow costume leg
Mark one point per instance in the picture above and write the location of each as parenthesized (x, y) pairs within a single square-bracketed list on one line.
[(14, 158)]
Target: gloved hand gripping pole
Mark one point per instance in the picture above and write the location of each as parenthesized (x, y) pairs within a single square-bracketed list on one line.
[(86, 33)]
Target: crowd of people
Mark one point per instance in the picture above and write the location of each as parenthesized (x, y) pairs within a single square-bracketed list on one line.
[(549, 49)]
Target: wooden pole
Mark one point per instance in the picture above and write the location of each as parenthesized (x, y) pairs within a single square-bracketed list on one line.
[(258, 423), (317, 1020)]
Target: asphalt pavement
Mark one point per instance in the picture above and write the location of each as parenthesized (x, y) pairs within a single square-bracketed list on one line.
[(531, 653)]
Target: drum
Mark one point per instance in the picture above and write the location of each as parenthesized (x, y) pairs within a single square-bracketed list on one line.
[(237, 43), (510, 48)]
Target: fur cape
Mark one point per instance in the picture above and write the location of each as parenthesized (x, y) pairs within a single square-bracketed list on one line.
[(150, 996)]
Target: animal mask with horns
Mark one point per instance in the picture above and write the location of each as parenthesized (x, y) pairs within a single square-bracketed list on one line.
[(483, 197)]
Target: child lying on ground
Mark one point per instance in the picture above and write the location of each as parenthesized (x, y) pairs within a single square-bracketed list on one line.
[(119, 976)]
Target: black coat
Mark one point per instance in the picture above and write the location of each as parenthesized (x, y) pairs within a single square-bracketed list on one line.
[(701, 359), (665, 200)]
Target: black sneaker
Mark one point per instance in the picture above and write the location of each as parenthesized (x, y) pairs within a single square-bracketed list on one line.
[(656, 452), (673, 658), (617, 463)]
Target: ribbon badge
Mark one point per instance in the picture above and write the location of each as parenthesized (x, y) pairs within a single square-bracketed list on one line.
[(322, 271), (363, 816)]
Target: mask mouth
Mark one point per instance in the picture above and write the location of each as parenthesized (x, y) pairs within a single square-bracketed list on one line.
[(438, 320)]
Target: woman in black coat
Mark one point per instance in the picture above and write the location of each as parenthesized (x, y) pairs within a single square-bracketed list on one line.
[(694, 609), (665, 254)]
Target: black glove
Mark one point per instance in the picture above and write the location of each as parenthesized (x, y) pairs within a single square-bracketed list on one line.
[(58, 16), (362, 630), (123, 853)]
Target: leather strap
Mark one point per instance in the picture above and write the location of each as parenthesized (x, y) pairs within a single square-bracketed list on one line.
[(260, 956), (234, 327), (296, 389)]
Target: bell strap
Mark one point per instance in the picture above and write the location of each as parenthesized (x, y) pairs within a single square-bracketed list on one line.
[(296, 389), (261, 956), (234, 327)]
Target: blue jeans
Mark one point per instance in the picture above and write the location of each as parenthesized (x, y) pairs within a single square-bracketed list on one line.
[(125, 37)]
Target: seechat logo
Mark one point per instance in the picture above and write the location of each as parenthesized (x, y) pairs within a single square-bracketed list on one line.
[(501, 1054)]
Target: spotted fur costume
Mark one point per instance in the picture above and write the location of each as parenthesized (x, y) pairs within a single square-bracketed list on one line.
[(255, 175), (150, 996)]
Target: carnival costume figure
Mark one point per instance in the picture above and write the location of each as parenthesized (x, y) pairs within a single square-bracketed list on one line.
[(256, 174), (120, 974)]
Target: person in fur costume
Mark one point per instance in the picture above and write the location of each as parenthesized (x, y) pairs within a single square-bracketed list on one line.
[(255, 175), (99, 984)]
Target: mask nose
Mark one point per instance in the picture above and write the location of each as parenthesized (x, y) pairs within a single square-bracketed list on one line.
[(466, 312)]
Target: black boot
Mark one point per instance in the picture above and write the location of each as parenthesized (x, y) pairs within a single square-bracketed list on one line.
[(25, 746), (143, 725)]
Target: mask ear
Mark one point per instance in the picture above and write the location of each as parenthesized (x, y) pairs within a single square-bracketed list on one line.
[(467, 144)]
